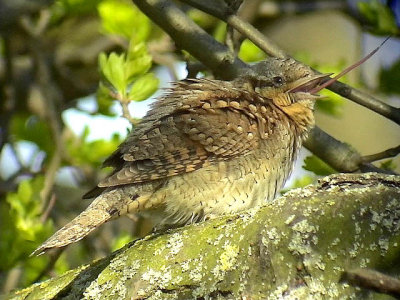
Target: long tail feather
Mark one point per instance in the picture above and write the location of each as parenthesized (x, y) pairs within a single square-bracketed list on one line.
[(75, 230), (106, 206)]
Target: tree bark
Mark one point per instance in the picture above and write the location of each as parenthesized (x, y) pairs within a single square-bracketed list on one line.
[(297, 247)]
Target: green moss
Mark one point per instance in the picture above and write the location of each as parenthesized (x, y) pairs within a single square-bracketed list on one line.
[(296, 246)]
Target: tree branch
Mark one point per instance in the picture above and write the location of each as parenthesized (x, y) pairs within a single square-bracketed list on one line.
[(51, 97), (373, 280), (288, 248), (392, 152), (220, 10)]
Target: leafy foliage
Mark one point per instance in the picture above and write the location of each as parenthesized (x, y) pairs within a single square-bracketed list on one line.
[(126, 75), (124, 19), (389, 79), (86, 153), (21, 224), (388, 165), (379, 16), (250, 52), (31, 128), (121, 241), (317, 166), (299, 183)]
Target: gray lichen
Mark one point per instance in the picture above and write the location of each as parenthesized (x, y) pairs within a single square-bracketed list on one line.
[(294, 248)]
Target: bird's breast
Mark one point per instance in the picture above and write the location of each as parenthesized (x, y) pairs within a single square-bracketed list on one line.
[(232, 185)]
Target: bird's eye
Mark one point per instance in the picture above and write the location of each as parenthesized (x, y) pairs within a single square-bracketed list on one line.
[(278, 80)]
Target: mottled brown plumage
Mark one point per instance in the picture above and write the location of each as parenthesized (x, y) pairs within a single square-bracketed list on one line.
[(206, 148)]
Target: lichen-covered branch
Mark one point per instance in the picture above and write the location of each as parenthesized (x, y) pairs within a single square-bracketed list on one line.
[(297, 246)]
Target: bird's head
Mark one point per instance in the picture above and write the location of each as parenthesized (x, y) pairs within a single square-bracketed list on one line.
[(288, 84)]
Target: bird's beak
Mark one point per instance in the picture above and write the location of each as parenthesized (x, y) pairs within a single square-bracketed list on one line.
[(307, 84)]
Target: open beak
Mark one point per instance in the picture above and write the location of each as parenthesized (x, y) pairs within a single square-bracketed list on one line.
[(308, 84)]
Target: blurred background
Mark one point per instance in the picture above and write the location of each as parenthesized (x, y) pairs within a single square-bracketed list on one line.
[(64, 106)]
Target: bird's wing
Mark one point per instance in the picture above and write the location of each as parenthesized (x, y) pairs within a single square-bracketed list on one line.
[(195, 124)]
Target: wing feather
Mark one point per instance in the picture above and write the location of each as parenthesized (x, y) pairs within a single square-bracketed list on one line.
[(197, 123)]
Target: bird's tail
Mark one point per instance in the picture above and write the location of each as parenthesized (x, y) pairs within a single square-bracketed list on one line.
[(103, 208)]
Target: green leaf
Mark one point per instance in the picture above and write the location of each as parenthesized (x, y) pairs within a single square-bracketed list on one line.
[(202, 19), (22, 230), (136, 50), (389, 79), (331, 104), (317, 166), (124, 76), (220, 31), (71, 8), (137, 67), (379, 16), (144, 87), (31, 128), (250, 52), (388, 165), (299, 183), (93, 153), (121, 241), (104, 100), (124, 19), (119, 70)]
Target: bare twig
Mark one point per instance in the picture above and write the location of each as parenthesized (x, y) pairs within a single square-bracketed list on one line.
[(373, 280), (220, 10), (366, 100), (392, 152), (12, 279), (126, 113), (193, 68), (45, 215), (125, 107), (52, 98)]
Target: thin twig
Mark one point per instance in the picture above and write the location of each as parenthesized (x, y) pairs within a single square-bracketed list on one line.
[(373, 280), (52, 98), (220, 10), (45, 215), (126, 113), (125, 107), (392, 152), (12, 279)]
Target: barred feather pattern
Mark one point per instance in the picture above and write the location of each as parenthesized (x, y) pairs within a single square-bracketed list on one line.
[(206, 148)]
